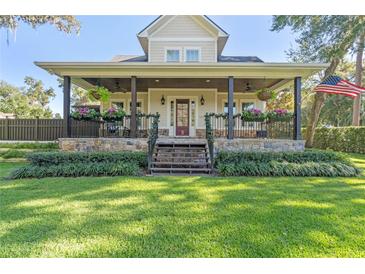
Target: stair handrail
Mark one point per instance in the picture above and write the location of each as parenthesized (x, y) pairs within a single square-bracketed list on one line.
[(210, 136), (152, 136)]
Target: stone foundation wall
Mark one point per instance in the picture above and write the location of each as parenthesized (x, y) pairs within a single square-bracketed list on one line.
[(102, 144), (261, 145)]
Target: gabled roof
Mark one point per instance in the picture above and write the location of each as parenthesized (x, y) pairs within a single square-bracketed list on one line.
[(160, 21)]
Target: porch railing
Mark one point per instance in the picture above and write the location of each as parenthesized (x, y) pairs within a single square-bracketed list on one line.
[(250, 129)]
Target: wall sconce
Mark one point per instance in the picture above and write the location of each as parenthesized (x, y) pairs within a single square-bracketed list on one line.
[(162, 100), (202, 100)]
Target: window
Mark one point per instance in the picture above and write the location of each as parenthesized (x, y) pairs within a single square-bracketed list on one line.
[(225, 109), (117, 105), (192, 55), (139, 106), (172, 55), (247, 105)]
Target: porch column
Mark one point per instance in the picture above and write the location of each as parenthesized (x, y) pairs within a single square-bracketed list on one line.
[(230, 106), (67, 105), (297, 108), (133, 107)]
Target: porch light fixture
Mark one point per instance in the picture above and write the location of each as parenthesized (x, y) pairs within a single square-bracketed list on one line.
[(248, 86), (157, 80), (207, 81), (162, 100), (202, 100)]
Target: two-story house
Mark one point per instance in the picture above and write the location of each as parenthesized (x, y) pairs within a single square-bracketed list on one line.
[(183, 75)]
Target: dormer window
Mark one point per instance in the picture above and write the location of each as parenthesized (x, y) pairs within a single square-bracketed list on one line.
[(172, 55), (192, 55)]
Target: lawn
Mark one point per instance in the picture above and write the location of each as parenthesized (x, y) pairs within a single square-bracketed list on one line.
[(182, 216)]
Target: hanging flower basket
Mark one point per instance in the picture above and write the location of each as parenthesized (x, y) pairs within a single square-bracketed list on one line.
[(253, 115), (99, 93), (265, 94), (113, 114), (85, 114), (279, 115)]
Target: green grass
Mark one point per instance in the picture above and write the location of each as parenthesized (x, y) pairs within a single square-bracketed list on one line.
[(182, 216)]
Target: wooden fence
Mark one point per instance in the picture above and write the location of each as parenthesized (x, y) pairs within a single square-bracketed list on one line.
[(45, 129)]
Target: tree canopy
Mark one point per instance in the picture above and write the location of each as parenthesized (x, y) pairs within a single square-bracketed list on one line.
[(30, 101), (65, 23), (322, 39)]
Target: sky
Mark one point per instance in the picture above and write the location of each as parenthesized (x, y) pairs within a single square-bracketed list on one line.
[(102, 37)]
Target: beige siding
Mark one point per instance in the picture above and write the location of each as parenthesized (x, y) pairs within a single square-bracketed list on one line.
[(126, 98), (239, 99), (182, 26), (207, 49)]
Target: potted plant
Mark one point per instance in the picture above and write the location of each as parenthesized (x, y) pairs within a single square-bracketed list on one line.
[(265, 94), (113, 114), (85, 114), (281, 115), (99, 93), (253, 115)]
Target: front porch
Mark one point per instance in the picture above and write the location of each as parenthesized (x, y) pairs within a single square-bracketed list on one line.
[(183, 103)]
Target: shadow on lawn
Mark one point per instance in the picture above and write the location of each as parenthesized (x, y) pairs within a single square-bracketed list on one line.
[(181, 217)]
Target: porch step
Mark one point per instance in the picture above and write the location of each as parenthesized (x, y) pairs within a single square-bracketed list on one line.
[(182, 157)]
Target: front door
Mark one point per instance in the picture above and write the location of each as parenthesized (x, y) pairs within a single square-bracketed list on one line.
[(182, 117)]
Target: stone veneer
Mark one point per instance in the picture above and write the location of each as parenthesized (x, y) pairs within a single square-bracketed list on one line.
[(262, 145), (140, 144), (102, 144)]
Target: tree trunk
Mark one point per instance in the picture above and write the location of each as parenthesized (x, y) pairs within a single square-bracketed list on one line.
[(319, 98), (358, 79)]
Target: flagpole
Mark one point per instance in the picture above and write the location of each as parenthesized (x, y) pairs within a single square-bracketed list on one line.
[(356, 110)]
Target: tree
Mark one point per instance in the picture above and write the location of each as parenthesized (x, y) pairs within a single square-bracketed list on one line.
[(63, 23), (358, 79), (79, 96), (30, 101), (321, 39)]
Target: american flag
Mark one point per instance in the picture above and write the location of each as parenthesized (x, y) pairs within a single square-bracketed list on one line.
[(336, 85)]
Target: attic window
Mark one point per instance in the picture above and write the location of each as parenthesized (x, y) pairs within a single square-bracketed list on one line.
[(172, 55), (192, 55)]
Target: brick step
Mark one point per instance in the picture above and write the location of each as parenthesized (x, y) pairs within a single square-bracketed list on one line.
[(179, 170), (182, 148), (182, 154), (180, 163), (155, 157)]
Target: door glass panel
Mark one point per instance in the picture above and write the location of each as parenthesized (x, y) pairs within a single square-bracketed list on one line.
[(182, 115)]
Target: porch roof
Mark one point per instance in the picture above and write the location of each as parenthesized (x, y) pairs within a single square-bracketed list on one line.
[(182, 70)]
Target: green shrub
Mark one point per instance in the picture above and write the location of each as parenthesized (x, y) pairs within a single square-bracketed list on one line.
[(346, 139), (274, 168), (13, 153), (291, 157), (56, 158), (77, 170), (29, 145)]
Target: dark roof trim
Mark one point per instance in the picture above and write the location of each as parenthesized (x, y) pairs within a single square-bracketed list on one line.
[(215, 24), (149, 24), (205, 16), (239, 59)]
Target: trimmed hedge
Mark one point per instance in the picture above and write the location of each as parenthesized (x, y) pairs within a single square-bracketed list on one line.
[(77, 170), (29, 145), (57, 158), (307, 163), (13, 153), (346, 139), (274, 168), (291, 157)]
